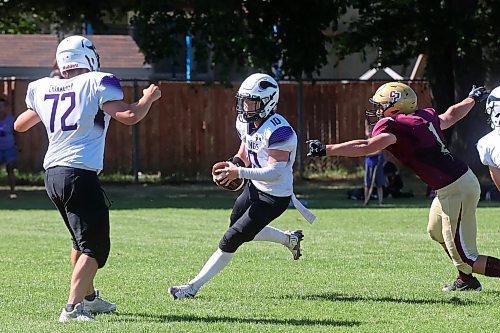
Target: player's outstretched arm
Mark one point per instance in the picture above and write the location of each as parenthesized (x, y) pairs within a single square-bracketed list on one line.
[(461, 109), (26, 120), (353, 148), (130, 114)]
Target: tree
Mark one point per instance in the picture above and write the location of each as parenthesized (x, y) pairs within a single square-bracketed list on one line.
[(237, 34), (34, 16), (460, 39)]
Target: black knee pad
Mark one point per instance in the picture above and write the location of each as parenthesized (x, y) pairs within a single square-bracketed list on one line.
[(233, 239)]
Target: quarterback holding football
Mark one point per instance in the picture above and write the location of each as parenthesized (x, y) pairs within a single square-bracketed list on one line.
[(264, 159)]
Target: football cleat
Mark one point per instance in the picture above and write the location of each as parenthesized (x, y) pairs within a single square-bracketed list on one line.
[(460, 285), (184, 291), (99, 305), (294, 239), (79, 313)]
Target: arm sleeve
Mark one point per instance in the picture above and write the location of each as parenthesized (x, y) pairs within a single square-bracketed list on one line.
[(270, 172)]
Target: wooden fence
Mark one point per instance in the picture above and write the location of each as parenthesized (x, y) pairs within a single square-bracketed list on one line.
[(192, 125)]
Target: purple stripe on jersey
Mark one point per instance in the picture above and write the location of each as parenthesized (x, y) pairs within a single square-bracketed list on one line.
[(111, 81), (458, 243), (282, 134)]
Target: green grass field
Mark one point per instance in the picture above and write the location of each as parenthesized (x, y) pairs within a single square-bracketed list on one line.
[(363, 269)]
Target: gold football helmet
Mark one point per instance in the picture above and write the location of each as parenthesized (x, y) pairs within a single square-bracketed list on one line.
[(391, 98)]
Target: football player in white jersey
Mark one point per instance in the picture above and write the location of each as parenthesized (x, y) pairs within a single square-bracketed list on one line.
[(76, 111), (265, 157), (488, 146)]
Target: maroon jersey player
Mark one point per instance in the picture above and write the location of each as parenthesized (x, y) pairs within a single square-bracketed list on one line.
[(414, 136), (420, 146)]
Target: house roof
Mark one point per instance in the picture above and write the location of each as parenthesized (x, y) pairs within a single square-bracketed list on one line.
[(115, 51)]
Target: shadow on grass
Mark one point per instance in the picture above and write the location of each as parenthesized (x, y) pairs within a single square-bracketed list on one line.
[(253, 321), (203, 196), (319, 195), (337, 297)]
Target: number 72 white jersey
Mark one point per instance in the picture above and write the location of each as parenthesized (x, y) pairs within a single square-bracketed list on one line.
[(71, 110), (274, 133)]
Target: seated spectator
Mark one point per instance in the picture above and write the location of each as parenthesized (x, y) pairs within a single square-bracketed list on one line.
[(394, 183)]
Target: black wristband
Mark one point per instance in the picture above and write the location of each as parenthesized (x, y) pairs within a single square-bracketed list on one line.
[(237, 161)]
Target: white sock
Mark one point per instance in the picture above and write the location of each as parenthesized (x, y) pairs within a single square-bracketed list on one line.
[(270, 234), (214, 265)]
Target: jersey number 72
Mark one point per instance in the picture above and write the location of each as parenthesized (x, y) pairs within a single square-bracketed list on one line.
[(55, 98)]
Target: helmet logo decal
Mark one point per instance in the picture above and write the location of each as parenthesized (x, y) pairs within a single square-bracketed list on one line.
[(395, 96), (70, 66), (263, 85)]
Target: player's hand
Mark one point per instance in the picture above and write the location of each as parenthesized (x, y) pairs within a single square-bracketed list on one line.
[(316, 148), (215, 169), (478, 94), (152, 92), (230, 172)]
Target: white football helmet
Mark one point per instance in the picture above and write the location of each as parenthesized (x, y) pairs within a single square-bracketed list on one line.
[(77, 52), (257, 97), (493, 108)]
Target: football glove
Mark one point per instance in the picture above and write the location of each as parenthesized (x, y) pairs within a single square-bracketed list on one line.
[(478, 94), (236, 161), (316, 148)]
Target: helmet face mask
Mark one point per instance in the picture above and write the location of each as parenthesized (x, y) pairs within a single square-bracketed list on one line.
[(77, 52), (495, 117), (390, 99), (377, 112), (493, 109), (257, 97)]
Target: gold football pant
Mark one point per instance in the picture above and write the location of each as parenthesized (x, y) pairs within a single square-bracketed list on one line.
[(452, 220)]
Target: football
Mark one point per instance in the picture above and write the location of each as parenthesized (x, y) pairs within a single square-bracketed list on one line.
[(233, 185)]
